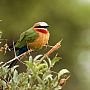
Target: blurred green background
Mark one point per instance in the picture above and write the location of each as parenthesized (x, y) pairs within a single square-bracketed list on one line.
[(69, 19)]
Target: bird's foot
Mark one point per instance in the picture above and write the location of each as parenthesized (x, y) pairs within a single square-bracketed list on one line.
[(48, 46)]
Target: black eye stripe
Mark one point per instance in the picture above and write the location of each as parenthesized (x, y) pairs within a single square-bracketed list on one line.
[(41, 26)]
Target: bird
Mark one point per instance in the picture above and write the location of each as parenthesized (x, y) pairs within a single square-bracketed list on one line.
[(34, 38)]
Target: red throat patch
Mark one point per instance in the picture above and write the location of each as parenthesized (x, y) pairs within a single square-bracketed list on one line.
[(41, 30)]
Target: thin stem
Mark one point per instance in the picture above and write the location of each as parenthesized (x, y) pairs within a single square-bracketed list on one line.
[(14, 49)]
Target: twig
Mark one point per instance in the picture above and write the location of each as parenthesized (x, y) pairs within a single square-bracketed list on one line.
[(17, 57), (54, 48), (14, 49), (3, 79), (5, 47)]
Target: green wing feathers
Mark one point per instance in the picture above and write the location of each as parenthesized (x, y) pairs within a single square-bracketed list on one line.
[(28, 36)]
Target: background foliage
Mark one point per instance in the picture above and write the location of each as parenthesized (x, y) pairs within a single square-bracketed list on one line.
[(37, 76), (68, 19)]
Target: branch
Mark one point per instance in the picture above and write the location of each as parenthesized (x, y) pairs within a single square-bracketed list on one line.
[(54, 48), (17, 57)]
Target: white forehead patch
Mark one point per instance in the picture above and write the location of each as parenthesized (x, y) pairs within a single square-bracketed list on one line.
[(42, 23)]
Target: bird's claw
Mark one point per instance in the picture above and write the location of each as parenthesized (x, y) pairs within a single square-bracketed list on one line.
[(48, 46)]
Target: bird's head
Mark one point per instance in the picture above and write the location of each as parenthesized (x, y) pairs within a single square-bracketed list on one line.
[(41, 27)]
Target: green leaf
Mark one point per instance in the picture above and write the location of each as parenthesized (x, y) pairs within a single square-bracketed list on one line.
[(23, 81), (30, 59), (58, 88), (55, 59), (49, 61), (13, 68), (48, 77), (63, 72), (45, 63), (15, 75), (29, 64), (3, 83), (37, 57), (42, 67), (3, 71), (39, 79)]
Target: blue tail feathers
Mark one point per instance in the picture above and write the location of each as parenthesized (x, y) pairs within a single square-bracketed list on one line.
[(22, 50)]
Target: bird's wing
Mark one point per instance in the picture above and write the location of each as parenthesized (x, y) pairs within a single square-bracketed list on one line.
[(22, 36), (28, 36)]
